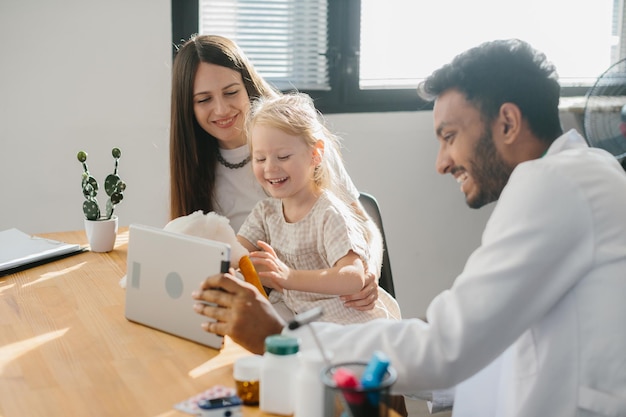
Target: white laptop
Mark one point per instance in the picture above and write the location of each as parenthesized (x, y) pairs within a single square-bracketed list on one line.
[(163, 269)]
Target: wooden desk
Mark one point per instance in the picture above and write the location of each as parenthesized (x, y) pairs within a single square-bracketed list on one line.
[(66, 348)]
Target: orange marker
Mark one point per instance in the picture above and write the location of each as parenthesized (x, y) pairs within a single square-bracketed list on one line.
[(250, 275)]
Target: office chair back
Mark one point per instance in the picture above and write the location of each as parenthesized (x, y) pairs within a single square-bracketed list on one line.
[(370, 204)]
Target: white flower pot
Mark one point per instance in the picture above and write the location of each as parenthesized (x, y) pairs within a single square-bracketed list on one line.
[(101, 234)]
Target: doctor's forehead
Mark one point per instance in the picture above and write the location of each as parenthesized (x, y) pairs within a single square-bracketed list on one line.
[(452, 109)]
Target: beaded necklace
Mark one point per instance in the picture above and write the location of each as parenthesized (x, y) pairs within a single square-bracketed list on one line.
[(227, 164)]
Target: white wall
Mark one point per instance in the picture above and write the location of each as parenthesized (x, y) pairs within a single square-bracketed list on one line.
[(82, 74), (86, 74), (430, 231)]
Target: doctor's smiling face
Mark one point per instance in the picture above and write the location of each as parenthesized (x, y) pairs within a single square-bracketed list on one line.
[(467, 150)]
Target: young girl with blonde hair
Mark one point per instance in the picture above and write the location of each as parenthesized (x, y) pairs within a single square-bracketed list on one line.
[(310, 241)]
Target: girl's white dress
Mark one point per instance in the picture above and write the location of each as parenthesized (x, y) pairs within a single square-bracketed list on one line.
[(325, 235)]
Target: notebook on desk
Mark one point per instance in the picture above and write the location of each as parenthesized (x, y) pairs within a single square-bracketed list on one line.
[(163, 268)]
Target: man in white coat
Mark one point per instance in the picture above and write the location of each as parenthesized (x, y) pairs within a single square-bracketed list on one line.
[(535, 325)]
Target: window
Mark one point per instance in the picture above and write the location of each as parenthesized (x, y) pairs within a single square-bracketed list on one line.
[(286, 40), (369, 55)]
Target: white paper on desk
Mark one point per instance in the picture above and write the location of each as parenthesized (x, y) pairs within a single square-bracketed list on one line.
[(18, 249)]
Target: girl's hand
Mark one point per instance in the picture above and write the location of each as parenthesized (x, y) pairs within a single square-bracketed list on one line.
[(272, 271)]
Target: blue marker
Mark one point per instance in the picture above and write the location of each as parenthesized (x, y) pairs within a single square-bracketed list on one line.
[(374, 374)]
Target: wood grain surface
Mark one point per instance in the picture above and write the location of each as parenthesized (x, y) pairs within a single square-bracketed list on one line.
[(66, 348)]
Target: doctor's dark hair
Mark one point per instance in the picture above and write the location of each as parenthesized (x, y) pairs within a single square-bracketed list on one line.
[(503, 71)]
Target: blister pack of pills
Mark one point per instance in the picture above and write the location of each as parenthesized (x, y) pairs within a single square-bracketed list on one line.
[(190, 405)]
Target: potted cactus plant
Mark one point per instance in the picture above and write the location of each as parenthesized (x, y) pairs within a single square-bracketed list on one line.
[(101, 228)]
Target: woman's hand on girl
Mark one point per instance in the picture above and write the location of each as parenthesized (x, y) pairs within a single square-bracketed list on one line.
[(366, 298)]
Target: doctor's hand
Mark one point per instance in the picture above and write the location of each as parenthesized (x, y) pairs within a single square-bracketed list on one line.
[(240, 311), (366, 298)]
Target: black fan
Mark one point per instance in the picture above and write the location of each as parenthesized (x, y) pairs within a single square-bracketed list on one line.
[(604, 117)]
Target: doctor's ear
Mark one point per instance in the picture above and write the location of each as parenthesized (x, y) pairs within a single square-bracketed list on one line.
[(510, 121)]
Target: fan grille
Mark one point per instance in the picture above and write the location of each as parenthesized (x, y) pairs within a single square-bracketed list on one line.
[(603, 124)]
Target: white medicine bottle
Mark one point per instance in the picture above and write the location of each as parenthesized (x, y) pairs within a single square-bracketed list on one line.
[(278, 373), (309, 395)]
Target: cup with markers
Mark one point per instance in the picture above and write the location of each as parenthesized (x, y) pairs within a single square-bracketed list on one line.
[(359, 389)]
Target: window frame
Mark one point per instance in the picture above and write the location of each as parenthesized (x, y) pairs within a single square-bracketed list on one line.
[(344, 95)]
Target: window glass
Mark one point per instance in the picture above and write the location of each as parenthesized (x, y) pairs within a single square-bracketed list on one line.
[(403, 41), (369, 55)]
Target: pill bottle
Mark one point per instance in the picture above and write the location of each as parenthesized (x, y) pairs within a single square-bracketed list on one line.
[(278, 373), (309, 395), (247, 373)]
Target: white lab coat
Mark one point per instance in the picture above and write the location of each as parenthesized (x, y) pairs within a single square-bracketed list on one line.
[(535, 325)]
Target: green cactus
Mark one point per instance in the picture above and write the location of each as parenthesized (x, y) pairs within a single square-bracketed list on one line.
[(113, 186)]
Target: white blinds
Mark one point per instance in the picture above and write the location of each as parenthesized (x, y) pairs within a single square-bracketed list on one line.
[(286, 40)]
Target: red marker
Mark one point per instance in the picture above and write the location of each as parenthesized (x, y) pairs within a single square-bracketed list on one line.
[(344, 378)]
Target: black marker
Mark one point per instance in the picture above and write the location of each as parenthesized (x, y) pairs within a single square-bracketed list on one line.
[(305, 318)]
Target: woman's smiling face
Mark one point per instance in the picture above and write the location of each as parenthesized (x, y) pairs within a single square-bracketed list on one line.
[(220, 103)]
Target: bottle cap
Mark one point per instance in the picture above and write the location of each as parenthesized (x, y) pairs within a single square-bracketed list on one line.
[(281, 345), (248, 368)]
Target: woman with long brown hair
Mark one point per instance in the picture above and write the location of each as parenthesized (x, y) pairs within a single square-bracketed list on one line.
[(213, 85)]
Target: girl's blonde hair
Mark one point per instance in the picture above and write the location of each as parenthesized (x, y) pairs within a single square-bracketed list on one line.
[(296, 115)]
